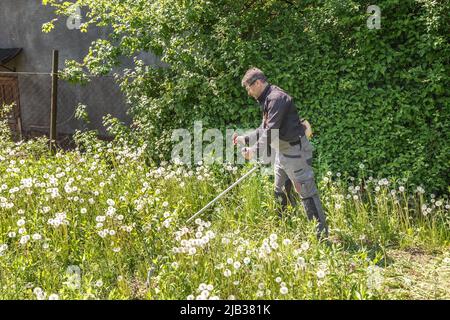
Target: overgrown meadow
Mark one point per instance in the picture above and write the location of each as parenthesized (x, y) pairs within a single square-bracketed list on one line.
[(103, 224)]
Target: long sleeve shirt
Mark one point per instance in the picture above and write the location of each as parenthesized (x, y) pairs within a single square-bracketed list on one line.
[(280, 119)]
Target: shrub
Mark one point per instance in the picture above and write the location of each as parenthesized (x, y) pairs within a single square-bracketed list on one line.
[(376, 96)]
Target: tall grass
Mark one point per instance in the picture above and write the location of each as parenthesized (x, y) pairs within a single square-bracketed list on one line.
[(100, 224)]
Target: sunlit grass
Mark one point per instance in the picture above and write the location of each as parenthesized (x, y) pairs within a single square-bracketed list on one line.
[(100, 224)]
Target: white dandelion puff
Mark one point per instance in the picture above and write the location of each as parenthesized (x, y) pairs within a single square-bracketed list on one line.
[(320, 274), (305, 246)]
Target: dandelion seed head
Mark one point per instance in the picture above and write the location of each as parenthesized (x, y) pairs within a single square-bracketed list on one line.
[(320, 274), (53, 296), (36, 236), (20, 222), (24, 239), (305, 246), (301, 262)]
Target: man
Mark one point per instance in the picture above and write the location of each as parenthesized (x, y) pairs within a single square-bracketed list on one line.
[(293, 159)]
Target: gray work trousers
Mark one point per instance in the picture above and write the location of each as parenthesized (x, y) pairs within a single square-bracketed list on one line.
[(294, 162)]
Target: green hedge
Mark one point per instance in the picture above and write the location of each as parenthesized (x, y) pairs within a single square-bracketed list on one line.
[(373, 96)]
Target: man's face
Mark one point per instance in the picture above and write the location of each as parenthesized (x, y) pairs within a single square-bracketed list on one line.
[(255, 89)]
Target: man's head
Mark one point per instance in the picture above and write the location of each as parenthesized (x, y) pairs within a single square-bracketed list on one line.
[(254, 81)]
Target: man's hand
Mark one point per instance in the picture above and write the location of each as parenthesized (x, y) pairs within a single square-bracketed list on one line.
[(238, 139), (247, 153)]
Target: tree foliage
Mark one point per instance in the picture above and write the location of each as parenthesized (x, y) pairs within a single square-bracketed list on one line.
[(377, 96)]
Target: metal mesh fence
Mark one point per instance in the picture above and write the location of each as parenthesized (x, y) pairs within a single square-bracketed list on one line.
[(101, 96)]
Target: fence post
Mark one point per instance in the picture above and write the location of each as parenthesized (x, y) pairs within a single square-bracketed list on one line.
[(54, 102)]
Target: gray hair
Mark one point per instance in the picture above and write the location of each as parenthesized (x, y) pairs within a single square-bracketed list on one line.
[(252, 75)]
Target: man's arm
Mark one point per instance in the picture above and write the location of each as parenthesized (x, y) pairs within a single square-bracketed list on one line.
[(255, 134), (276, 110), (251, 136)]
